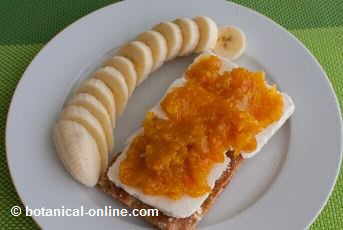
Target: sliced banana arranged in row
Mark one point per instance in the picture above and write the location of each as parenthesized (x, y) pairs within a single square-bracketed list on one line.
[(141, 56), (190, 35), (100, 91), (173, 35), (116, 82), (84, 134), (126, 68), (97, 109), (158, 45)]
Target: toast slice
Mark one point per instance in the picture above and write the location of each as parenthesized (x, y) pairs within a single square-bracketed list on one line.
[(163, 221)]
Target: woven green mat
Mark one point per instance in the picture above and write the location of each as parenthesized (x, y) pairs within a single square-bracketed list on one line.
[(26, 25)]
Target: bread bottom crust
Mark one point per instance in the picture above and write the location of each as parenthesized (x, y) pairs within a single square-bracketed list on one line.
[(163, 221)]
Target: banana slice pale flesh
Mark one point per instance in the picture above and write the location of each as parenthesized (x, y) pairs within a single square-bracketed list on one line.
[(158, 45), (208, 33), (78, 151), (231, 42), (86, 119), (141, 56), (173, 35), (100, 91), (190, 35), (116, 82), (126, 68), (90, 103)]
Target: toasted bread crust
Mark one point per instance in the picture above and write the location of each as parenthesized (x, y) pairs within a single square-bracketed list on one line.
[(163, 221)]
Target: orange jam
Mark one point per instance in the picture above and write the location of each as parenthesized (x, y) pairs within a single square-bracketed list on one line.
[(212, 113)]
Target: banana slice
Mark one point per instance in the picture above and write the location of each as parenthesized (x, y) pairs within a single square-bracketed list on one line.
[(141, 56), (86, 119), (116, 82), (78, 151), (100, 91), (126, 68), (231, 42), (190, 35), (157, 44), (90, 103), (208, 33), (173, 35)]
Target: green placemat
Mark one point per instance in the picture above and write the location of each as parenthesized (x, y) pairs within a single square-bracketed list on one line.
[(26, 25)]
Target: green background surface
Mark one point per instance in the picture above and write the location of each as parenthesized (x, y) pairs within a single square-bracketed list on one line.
[(25, 26)]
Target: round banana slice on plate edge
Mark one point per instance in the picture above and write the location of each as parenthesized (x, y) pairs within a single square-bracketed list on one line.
[(231, 42)]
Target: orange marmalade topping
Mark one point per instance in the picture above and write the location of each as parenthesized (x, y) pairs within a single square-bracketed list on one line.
[(212, 113)]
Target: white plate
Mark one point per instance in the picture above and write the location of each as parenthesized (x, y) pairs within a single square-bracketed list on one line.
[(284, 187)]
